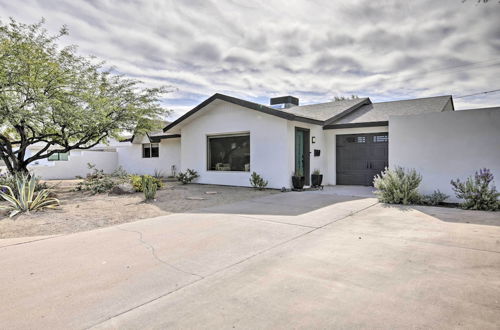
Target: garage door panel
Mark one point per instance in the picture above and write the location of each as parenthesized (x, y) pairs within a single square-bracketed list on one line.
[(360, 157)]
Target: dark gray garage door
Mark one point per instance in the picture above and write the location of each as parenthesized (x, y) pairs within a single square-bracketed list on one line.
[(360, 157)]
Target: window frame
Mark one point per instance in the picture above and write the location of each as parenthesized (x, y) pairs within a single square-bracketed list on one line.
[(226, 135), (149, 146)]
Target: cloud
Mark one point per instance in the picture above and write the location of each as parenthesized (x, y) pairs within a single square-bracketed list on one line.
[(315, 50)]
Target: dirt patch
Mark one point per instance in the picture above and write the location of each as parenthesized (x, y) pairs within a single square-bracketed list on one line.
[(81, 211)]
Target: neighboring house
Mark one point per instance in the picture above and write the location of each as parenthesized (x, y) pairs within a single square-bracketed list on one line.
[(226, 138)]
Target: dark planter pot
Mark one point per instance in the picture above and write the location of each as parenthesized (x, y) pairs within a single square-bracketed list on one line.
[(316, 180), (298, 182)]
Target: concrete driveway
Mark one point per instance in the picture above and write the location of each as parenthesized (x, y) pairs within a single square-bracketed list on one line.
[(293, 260)]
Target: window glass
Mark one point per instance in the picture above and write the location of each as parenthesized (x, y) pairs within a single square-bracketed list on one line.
[(229, 153), (146, 150), (59, 156), (356, 139), (155, 150), (380, 138)]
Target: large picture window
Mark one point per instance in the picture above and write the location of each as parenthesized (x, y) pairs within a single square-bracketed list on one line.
[(229, 152), (150, 150)]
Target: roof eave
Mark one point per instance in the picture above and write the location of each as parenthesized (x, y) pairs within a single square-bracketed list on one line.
[(357, 125)]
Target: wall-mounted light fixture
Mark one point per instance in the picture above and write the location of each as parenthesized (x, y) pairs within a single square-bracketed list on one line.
[(313, 139)]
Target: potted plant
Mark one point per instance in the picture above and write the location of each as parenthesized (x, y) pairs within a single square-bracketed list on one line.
[(316, 178), (298, 180)]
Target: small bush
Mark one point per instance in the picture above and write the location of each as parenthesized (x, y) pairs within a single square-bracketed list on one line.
[(25, 199), (257, 181), (436, 198), (478, 192), (398, 186), (137, 180), (149, 186), (97, 182), (120, 173), (158, 174), (187, 176)]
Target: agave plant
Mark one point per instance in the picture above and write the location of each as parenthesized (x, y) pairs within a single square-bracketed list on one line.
[(25, 200)]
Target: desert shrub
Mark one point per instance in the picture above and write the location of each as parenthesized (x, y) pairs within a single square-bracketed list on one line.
[(120, 173), (149, 187), (257, 181), (136, 181), (9, 180), (158, 174), (26, 199), (436, 198), (398, 186), (187, 176), (97, 182), (478, 191)]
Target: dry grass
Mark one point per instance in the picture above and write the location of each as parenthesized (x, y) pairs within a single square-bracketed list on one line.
[(81, 211)]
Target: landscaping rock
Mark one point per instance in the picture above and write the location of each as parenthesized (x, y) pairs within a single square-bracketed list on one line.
[(122, 189)]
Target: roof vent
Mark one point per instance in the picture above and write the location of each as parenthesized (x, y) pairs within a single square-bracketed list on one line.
[(283, 102)]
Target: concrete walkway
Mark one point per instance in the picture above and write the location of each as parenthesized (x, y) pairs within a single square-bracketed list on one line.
[(293, 260)]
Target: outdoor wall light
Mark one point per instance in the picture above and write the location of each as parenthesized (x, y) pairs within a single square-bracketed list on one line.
[(313, 140)]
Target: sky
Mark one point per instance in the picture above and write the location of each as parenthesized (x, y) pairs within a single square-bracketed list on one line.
[(314, 50)]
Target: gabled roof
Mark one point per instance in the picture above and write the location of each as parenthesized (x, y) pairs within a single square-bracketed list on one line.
[(336, 114), (378, 113), (328, 111), (318, 113)]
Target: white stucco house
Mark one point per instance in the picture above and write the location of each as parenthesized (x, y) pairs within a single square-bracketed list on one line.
[(225, 139), (349, 142)]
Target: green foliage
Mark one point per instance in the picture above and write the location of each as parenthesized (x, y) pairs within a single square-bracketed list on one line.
[(26, 199), (120, 173), (478, 192), (257, 181), (149, 187), (187, 176), (398, 186), (52, 96), (316, 172), (436, 198), (137, 181), (158, 174), (7, 179), (97, 182)]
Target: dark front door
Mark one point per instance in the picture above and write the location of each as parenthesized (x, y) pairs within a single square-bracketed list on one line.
[(360, 157), (302, 153)]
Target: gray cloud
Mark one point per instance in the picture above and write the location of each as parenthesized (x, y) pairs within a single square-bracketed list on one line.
[(382, 49)]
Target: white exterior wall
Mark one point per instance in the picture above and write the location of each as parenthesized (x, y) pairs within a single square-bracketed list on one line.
[(445, 146), (130, 157), (330, 175), (268, 144), (76, 165)]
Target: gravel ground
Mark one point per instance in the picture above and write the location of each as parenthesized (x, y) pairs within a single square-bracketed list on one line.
[(81, 211)]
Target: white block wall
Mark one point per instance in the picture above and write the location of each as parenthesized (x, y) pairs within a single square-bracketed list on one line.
[(76, 165), (447, 145)]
